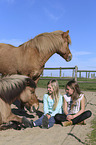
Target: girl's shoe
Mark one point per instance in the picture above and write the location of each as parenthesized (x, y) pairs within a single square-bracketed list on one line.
[(32, 124), (45, 122), (67, 123), (81, 123)]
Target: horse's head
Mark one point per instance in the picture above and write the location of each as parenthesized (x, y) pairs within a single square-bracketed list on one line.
[(64, 51), (29, 98)]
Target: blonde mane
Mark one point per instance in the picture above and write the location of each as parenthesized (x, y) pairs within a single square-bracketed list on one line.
[(47, 41)]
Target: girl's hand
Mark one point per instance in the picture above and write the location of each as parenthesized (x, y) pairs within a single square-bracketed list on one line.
[(69, 117), (74, 116), (48, 116)]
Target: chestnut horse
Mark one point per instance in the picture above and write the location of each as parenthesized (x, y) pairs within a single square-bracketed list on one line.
[(29, 58), (16, 87)]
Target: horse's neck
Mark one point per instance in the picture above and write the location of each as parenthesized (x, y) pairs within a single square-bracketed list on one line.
[(41, 56), (46, 55)]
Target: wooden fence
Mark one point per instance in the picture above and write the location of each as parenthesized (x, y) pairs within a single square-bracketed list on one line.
[(74, 73), (87, 73)]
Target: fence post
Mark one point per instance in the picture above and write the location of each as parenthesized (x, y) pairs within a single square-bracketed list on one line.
[(60, 72), (86, 74), (73, 74), (89, 75), (76, 69), (79, 74)]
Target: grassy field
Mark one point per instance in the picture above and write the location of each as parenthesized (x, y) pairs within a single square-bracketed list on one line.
[(92, 135), (62, 83)]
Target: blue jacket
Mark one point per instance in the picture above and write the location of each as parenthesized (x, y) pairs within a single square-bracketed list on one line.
[(48, 105)]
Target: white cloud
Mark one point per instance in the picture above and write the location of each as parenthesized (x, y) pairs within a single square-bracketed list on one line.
[(53, 15), (77, 53)]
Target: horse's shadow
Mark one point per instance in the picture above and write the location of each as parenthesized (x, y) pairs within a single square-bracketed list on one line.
[(39, 113), (19, 111), (23, 112)]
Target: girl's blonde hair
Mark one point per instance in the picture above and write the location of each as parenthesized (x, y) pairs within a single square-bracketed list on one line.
[(56, 94)]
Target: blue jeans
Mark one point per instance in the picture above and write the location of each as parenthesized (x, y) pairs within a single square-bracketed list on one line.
[(38, 122)]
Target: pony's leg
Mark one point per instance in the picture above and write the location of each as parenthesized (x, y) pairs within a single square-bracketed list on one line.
[(13, 117), (5, 113)]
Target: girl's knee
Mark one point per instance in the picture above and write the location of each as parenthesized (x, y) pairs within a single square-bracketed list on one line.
[(89, 113), (56, 117)]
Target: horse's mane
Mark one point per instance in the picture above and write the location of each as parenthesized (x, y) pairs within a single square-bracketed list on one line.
[(46, 40), (12, 86)]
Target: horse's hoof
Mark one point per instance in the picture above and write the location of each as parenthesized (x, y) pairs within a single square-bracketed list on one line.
[(26, 122)]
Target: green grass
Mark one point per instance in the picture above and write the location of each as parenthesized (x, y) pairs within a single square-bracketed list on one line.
[(62, 83), (92, 135)]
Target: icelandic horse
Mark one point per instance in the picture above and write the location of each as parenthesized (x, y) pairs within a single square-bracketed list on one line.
[(30, 57)]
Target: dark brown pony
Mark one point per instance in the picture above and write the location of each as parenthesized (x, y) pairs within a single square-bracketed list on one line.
[(16, 87), (29, 58)]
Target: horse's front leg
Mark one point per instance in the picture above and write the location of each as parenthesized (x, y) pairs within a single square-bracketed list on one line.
[(13, 117), (22, 120), (6, 115)]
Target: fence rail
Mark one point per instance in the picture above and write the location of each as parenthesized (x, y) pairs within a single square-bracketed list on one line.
[(74, 74), (60, 70)]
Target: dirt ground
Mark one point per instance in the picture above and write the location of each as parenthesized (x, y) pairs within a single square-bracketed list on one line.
[(57, 135)]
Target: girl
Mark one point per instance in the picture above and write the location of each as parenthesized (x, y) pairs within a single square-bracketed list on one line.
[(53, 102), (74, 106)]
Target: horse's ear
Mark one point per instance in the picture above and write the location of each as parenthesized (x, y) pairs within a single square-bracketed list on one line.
[(65, 34)]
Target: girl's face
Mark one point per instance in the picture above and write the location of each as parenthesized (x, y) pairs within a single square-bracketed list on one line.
[(50, 89), (69, 91)]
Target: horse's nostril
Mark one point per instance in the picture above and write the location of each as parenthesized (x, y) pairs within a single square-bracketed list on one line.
[(34, 108), (69, 57)]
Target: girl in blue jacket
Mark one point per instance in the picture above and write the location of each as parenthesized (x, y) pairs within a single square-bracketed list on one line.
[(53, 103)]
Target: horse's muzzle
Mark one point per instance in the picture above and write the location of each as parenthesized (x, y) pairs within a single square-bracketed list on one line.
[(34, 108), (69, 57)]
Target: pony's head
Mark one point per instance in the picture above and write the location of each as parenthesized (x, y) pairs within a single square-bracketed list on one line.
[(19, 87), (54, 42), (29, 98), (64, 51)]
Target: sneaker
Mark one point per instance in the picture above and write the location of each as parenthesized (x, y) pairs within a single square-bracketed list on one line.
[(26, 122), (32, 124), (45, 122), (67, 123)]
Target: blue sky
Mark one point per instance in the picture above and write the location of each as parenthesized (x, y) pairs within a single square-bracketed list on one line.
[(21, 20)]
